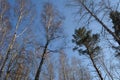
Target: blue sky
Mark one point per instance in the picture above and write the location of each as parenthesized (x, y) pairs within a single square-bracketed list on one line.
[(69, 24)]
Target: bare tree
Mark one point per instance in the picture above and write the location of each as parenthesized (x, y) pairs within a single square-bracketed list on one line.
[(49, 69), (105, 13), (5, 25), (51, 20), (63, 72), (72, 68), (21, 12), (99, 11), (79, 71), (104, 66)]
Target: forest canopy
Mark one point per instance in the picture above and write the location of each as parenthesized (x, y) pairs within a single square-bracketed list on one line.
[(59, 40)]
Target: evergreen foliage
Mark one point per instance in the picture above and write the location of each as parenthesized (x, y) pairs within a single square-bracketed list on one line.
[(84, 38), (115, 16)]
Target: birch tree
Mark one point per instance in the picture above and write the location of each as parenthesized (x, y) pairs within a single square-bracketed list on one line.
[(52, 22), (21, 12)]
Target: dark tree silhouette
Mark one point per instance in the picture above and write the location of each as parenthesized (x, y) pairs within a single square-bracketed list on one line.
[(115, 16), (51, 21), (81, 38)]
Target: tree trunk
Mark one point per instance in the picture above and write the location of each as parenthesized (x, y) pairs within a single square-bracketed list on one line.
[(97, 19), (7, 53), (41, 62), (98, 72)]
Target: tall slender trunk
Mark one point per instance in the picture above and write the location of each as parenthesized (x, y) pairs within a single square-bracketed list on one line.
[(7, 53), (97, 70), (93, 62), (41, 62), (10, 47), (97, 19), (64, 73)]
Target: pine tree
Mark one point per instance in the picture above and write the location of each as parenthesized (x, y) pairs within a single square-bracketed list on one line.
[(115, 16), (84, 38)]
